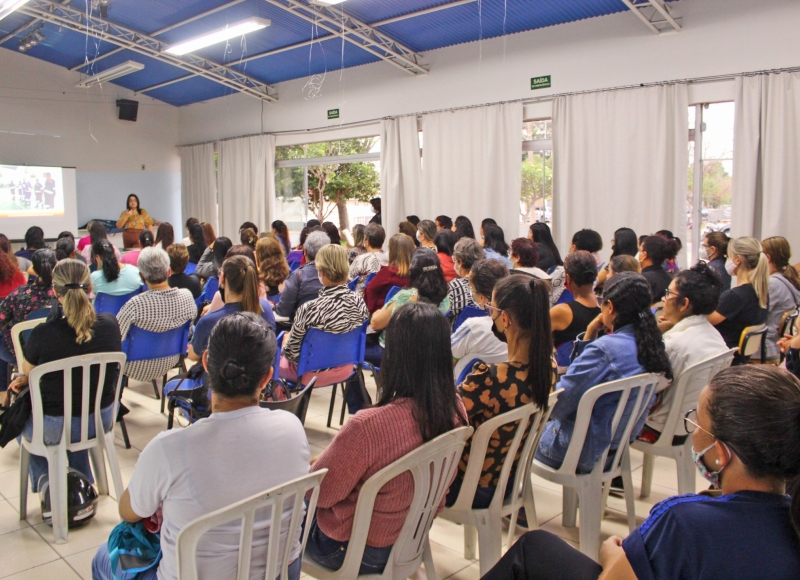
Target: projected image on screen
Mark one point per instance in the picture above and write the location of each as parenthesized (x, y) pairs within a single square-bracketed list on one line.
[(31, 191)]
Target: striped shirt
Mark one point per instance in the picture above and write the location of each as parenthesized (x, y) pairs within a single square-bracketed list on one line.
[(366, 264), (337, 310), (460, 295)]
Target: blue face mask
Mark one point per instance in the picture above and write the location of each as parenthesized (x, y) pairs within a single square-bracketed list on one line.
[(711, 476)]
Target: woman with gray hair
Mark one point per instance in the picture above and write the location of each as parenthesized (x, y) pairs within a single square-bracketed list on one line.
[(467, 251), (304, 284), (159, 309)]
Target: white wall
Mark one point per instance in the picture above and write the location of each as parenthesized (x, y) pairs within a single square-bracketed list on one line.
[(719, 37), (79, 128)]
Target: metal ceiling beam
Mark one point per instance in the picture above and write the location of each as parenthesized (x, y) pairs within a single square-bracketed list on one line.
[(147, 45), (654, 7), (24, 26)]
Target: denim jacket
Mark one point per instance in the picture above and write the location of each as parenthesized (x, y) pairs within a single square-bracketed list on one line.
[(605, 359)]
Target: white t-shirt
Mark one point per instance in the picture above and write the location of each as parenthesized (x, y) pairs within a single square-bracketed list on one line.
[(218, 461), (475, 339)]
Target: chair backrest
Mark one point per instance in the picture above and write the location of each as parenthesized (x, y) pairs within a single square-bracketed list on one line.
[(687, 392), (20, 331), (113, 304), (467, 370), (788, 323), (390, 294), (432, 465), (191, 268), (106, 362), (751, 339), (140, 344), (564, 353), (297, 404), (353, 284), (41, 313), (635, 394), (466, 313), (370, 276), (293, 266), (566, 296), (275, 501), (211, 287), (325, 350)]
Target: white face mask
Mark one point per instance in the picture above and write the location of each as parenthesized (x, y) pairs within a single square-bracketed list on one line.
[(730, 267), (703, 254)]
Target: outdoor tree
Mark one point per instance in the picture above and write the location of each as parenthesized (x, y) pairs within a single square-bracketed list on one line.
[(717, 184), (537, 180)]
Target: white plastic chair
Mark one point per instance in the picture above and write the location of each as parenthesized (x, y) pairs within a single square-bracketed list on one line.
[(432, 466), (487, 523), (590, 490), (687, 391), (57, 454), (16, 337), (245, 510)]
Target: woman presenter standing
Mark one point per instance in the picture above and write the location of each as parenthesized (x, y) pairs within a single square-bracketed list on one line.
[(133, 221)]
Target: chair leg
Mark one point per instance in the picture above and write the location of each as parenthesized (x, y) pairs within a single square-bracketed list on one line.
[(124, 433), (333, 400), (647, 474), (99, 466), (490, 539), (627, 483), (569, 503), (427, 557), (591, 498), (24, 466), (113, 465), (170, 415), (155, 389), (686, 471), (470, 542), (530, 506), (345, 388), (57, 473)]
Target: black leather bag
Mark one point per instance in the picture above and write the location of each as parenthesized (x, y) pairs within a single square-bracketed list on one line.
[(14, 416)]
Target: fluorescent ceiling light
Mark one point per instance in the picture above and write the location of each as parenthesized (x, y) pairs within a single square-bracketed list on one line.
[(8, 6), (112, 73), (232, 31), (328, 1)]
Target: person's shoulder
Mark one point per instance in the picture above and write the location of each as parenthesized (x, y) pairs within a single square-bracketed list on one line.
[(688, 507), (106, 320)]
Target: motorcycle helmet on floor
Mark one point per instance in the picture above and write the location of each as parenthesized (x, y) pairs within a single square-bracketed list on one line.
[(81, 499)]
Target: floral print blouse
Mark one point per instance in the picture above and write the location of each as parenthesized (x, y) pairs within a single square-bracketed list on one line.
[(139, 221), (19, 304)]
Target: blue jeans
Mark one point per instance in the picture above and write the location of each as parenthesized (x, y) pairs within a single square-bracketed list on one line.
[(355, 401), (6, 358), (53, 428), (483, 495), (330, 553)]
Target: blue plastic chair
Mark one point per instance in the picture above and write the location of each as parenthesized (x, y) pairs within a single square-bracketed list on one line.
[(113, 304), (566, 296), (142, 344), (467, 313), (353, 284), (191, 268), (211, 287), (293, 266), (390, 294), (564, 353), (467, 369)]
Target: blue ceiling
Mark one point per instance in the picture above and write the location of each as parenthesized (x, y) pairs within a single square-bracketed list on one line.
[(455, 25)]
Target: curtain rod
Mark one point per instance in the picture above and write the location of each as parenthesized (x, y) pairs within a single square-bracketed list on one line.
[(524, 101)]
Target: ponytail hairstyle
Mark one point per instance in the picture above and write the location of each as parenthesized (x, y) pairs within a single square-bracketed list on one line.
[(581, 267), (72, 281), (719, 241), (526, 300), (755, 410), (283, 233), (241, 277), (630, 294), (241, 349), (44, 261), (146, 238), (780, 252), (105, 250), (8, 262), (756, 264), (427, 277), (673, 244), (198, 237)]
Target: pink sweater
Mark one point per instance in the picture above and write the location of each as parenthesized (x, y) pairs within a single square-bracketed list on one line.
[(368, 442)]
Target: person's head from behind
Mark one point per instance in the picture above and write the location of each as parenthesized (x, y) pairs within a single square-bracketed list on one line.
[(374, 236), (427, 276), (333, 266), (271, 261), (484, 223), (248, 237), (747, 262), (153, 266), (248, 226), (239, 358), (692, 292), (588, 240), (626, 301), (541, 234), (400, 249), (314, 243), (97, 231), (654, 251), (463, 227), (418, 337), (445, 242), (133, 203), (178, 258), (520, 310), (625, 243), (623, 263), (413, 220), (779, 253), (66, 234), (443, 222), (197, 235), (715, 245), (43, 261), (333, 232), (494, 239), (466, 252), (375, 202), (483, 277), (239, 283), (359, 236), (34, 238), (190, 222), (165, 235), (580, 271), (65, 248), (220, 250), (72, 284), (105, 259), (242, 250), (408, 229), (426, 232), (668, 235), (524, 253), (209, 233), (146, 238), (280, 229)]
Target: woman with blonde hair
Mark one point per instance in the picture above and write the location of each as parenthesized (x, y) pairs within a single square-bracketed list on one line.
[(784, 289), (273, 269), (76, 331), (746, 304), (396, 273)]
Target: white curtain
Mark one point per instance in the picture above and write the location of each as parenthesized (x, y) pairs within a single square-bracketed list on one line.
[(620, 159), (471, 161), (401, 169), (766, 157), (246, 183), (198, 184)]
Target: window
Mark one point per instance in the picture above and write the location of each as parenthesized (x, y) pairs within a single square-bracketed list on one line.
[(536, 196)]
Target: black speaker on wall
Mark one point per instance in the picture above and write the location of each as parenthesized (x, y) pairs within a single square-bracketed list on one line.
[(128, 110)]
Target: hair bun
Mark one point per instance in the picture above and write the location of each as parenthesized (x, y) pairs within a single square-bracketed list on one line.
[(233, 373)]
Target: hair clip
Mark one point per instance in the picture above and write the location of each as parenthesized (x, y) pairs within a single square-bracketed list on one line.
[(644, 315), (74, 286), (429, 268)]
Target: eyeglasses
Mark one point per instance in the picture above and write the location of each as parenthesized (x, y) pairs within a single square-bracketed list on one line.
[(487, 308), (668, 293), (690, 423)]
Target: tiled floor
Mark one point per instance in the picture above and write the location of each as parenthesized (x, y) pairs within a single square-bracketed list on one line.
[(27, 551)]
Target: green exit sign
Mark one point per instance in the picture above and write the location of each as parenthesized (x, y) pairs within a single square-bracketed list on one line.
[(540, 83), (333, 113)]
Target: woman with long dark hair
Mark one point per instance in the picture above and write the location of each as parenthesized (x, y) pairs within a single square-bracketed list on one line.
[(281, 230), (463, 227), (445, 242), (333, 232), (165, 236), (634, 347), (211, 262), (549, 256), (198, 245), (413, 408), (111, 276), (132, 221), (494, 244), (625, 244), (97, 231)]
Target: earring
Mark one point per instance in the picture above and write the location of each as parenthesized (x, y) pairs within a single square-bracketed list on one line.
[(716, 462)]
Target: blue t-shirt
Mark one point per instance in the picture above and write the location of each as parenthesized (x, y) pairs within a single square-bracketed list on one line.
[(206, 324), (743, 536)]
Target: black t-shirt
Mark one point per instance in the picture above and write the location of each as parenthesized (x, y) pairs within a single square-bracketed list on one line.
[(56, 340), (190, 282), (659, 280), (740, 308)]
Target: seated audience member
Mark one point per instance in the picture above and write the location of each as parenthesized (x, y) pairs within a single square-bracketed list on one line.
[(65, 248), (22, 263), (273, 270), (634, 347), (746, 304), (784, 290), (519, 313), (476, 337), (373, 259), (412, 409), (426, 232), (494, 244), (281, 231), (248, 237), (189, 222), (675, 246), (375, 202), (410, 230), (11, 277), (132, 256), (303, 285), (445, 242), (209, 234), (34, 240), (443, 222), (359, 233), (749, 531), (97, 232), (625, 244), (590, 241), (652, 254), (333, 232), (413, 220), (86, 240), (21, 302), (623, 263), (463, 227), (237, 452), (198, 245), (395, 274), (337, 310), (211, 261), (178, 259), (297, 255), (549, 256), (484, 223), (78, 332), (465, 253), (165, 235), (570, 319), (111, 277), (688, 336), (159, 309), (525, 257), (715, 250)]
